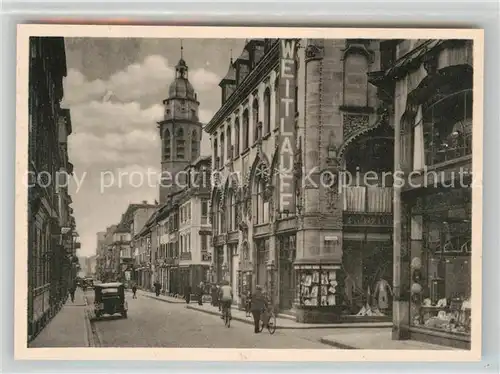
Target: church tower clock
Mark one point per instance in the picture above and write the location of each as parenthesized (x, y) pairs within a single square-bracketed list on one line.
[(180, 132)]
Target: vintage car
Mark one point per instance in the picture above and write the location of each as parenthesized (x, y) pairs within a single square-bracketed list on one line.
[(110, 299)]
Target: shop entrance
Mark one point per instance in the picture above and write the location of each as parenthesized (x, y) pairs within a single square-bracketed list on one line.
[(287, 250), (262, 247)]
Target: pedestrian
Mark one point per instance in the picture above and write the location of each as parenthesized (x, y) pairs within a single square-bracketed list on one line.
[(72, 293), (187, 294), (258, 305), (201, 288), (134, 291), (157, 286)]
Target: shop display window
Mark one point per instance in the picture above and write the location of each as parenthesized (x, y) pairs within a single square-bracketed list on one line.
[(317, 285), (440, 272)]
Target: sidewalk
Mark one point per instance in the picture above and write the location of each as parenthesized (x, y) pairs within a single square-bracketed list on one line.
[(377, 340), (166, 299), (69, 328), (286, 323)]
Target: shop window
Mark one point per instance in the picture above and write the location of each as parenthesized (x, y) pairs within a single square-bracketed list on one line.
[(317, 286), (440, 270), (445, 132)]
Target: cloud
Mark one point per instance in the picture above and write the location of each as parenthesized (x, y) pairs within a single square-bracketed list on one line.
[(138, 81)]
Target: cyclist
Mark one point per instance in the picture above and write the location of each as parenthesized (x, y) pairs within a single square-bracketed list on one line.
[(226, 298)]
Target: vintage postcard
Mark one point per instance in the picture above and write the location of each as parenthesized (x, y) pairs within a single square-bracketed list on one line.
[(270, 194)]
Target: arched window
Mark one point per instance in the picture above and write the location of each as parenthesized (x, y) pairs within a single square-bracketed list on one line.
[(222, 150), (181, 142), (267, 111), (355, 80), (255, 118), (237, 136), (246, 130), (277, 102), (216, 153), (166, 145), (194, 145), (261, 209), (229, 152), (231, 212)]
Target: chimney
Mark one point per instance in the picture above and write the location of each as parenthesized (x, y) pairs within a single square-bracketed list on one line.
[(144, 202)]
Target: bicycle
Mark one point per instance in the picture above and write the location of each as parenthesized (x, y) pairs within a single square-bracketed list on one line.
[(271, 321), (226, 316)]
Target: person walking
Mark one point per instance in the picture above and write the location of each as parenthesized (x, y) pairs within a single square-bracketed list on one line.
[(157, 286), (258, 304), (187, 294), (72, 293), (134, 291), (201, 291)]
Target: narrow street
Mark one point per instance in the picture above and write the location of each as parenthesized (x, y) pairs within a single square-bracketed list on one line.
[(153, 323)]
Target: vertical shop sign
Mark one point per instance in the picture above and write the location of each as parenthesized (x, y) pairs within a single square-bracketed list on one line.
[(286, 92)]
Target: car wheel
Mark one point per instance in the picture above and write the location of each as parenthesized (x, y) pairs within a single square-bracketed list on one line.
[(124, 314)]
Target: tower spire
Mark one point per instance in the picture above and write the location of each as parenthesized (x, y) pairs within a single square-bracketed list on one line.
[(182, 50), (231, 56)]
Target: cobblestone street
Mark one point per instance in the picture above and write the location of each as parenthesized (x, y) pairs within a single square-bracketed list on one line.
[(152, 323)]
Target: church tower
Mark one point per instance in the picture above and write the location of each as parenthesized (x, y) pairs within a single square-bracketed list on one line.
[(180, 131)]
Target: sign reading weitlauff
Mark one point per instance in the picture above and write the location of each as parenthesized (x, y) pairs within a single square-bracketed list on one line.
[(286, 115)]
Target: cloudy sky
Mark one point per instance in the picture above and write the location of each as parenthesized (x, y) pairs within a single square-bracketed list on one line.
[(114, 90)]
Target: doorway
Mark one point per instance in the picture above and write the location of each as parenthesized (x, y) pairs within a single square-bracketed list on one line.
[(286, 249)]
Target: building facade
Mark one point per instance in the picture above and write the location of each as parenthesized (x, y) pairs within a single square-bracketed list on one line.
[(51, 227), (431, 84), (294, 116)]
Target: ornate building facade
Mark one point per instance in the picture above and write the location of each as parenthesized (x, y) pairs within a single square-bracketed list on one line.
[(52, 261), (431, 84), (294, 113)]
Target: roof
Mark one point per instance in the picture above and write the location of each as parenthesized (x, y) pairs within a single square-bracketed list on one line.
[(108, 285), (181, 88), (126, 221)]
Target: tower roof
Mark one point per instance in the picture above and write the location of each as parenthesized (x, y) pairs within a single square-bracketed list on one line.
[(181, 88)]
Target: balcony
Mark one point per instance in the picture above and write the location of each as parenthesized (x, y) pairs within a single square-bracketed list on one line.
[(367, 199)]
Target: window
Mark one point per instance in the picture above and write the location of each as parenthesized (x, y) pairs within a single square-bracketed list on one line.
[(277, 102), (222, 150), (194, 145), (204, 212), (445, 131), (355, 80), (204, 242), (267, 111), (180, 144), (237, 149), (216, 149), (440, 268), (246, 130), (261, 205), (194, 117), (166, 145), (229, 154), (255, 118)]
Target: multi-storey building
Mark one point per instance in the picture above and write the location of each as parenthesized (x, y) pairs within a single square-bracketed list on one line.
[(51, 227), (294, 115), (100, 253), (135, 216), (429, 86), (183, 232), (110, 258)]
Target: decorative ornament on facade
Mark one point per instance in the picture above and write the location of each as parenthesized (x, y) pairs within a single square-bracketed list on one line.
[(314, 52), (353, 123)]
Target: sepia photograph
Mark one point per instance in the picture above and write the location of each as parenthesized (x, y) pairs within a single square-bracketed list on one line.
[(182, 189)]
